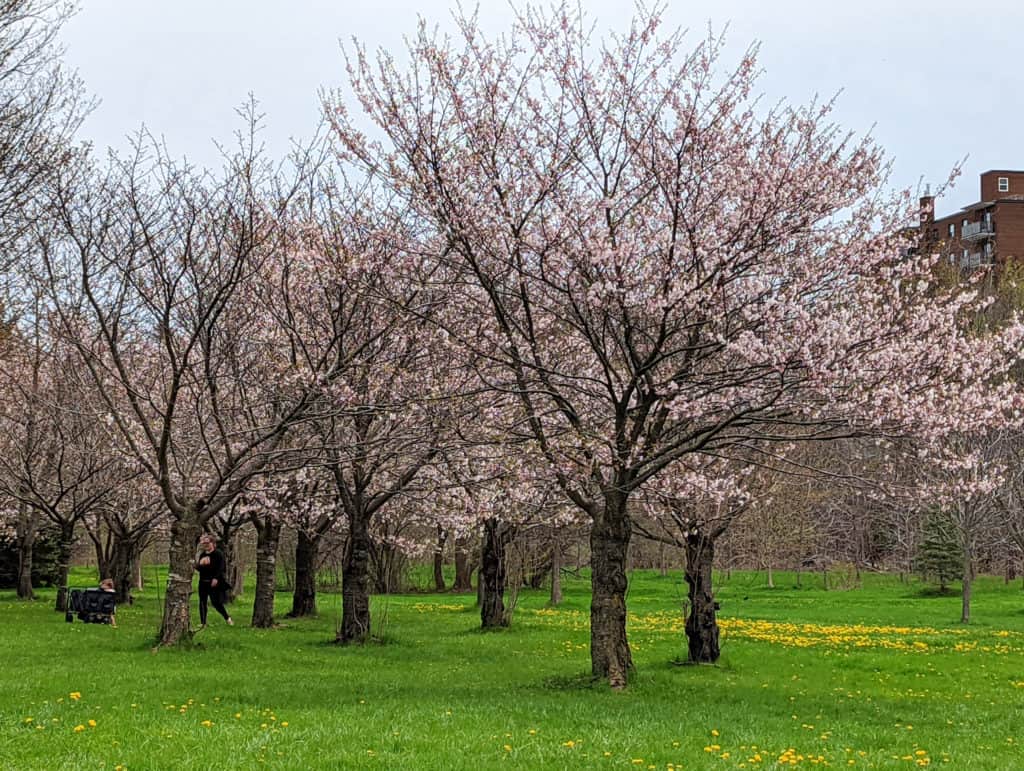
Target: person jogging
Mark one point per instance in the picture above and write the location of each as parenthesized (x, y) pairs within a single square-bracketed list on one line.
[(212, 584)]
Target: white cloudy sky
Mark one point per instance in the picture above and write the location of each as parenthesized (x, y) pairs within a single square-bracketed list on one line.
[(936, 80)]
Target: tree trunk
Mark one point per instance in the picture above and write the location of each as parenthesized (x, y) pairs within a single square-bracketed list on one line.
[(235, 569), (439, 560), (662, 566), (701, 623), (121, 569), (610, 656), (26, 544), (185, 534), (771, 576), (136, 570), (355, 582), (304, 596), (965, 596), (64, 547), (492, 576), (463, 570), (556, 572), (268, 535)]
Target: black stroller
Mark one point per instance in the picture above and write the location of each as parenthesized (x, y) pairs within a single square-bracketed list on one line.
[(93, 606)]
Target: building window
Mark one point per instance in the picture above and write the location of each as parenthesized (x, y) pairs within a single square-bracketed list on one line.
[(1004, 184), (952, 230)]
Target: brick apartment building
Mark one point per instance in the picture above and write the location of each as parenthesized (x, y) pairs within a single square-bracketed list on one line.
[(989, 232)]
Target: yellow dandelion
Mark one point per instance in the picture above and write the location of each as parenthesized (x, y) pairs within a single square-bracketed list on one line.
[(28, 720), (714, 732), (79, 728), (92, 724), (508, 748), (76, 695), (206, 723), (285, 725), (570, 744), (238, 716)]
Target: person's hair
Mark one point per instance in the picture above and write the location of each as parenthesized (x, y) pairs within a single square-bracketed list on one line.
[(208, 537)]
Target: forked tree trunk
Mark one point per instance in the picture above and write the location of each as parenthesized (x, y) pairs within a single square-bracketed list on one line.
[(121, 569), (701, 623), (268, 535), (355, 582), (439, 560), (492, 576), (463, 569), (556, 572), (185, 534), (304, 596), (610, 657), (64, 546)]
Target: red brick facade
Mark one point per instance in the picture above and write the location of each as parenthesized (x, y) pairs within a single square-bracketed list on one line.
[(988, 232)]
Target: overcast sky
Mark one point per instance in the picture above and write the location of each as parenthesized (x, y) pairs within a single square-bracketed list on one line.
[(936, 80)]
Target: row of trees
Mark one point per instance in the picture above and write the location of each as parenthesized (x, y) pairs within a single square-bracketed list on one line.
[(539, 280)]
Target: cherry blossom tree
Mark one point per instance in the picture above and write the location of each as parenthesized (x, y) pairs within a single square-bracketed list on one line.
[(58, 461), (151, 267), (395, 401), (125, 523), (658, 266)]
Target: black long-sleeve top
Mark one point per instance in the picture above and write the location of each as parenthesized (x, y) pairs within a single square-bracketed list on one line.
[(215, 568)]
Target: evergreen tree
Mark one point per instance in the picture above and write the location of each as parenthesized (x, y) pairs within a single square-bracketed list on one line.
[(938, 555)]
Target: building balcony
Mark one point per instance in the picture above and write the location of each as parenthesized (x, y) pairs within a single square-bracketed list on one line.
[(977, 231), (974, 260)]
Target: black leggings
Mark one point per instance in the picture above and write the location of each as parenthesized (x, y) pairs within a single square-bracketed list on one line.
[(216, 595)]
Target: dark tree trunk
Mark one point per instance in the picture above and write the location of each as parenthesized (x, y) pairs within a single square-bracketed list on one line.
[(965, 596), (610, 656), (121, 569), (234, 569), (439, 560), (268, 535), (185, 534), (64, 547), (556, 572), (463, 569), (26, 544), (304, 596), (492, 575), (701, 623), (539, 573), (386, 562), (355, 582)]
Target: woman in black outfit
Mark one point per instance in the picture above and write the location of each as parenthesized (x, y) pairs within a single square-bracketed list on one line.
[(211, 578)]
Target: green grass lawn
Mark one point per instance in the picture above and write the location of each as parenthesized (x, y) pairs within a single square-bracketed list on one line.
[(877, 677)]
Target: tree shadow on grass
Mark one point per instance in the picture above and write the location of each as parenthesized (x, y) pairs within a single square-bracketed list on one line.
[(583, 681)]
